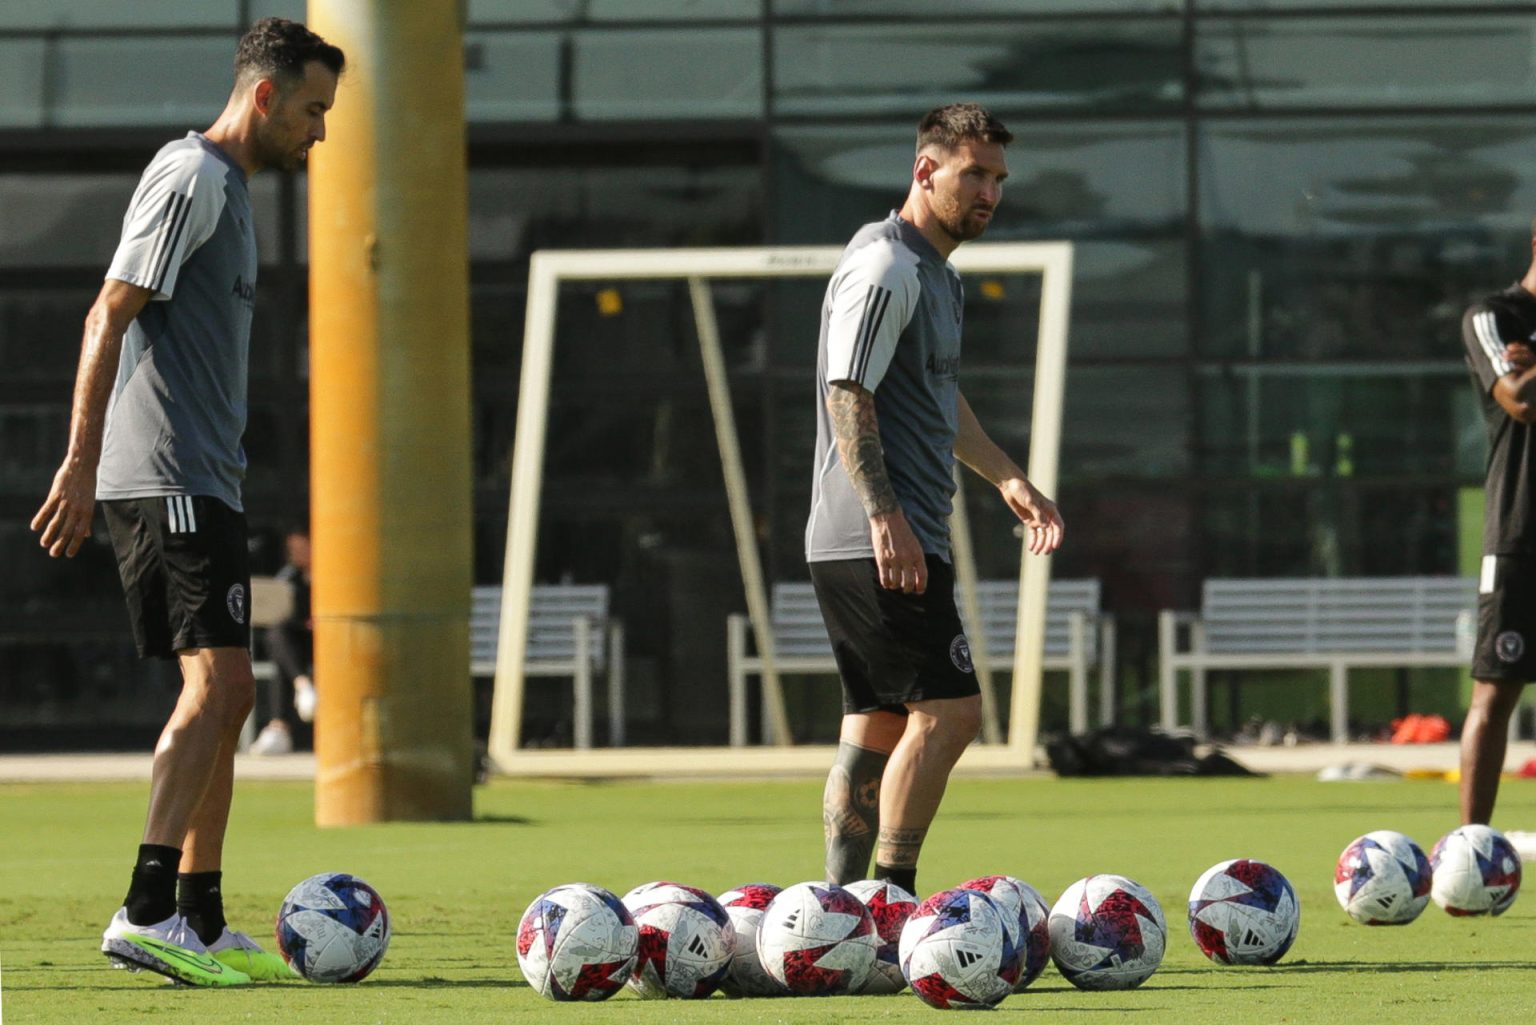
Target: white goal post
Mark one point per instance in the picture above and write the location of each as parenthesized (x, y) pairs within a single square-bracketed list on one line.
[(548, 269)]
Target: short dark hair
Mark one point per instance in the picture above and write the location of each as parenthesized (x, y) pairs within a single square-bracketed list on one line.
[(278, 49), (949, 126)]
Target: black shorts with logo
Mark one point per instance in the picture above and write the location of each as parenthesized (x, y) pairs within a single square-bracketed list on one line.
[(1506, 620), (893, 648), (186, 572)]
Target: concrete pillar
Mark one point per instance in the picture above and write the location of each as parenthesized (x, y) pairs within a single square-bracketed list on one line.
[(389, 409)]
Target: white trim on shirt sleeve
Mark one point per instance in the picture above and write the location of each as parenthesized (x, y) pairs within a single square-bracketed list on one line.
[(174, 211), (871, 299)]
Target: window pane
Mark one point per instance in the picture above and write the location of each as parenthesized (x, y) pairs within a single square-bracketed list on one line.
[(140, 14), (924, 8), (1334, 422), (711, 73), (21, 83), (1359, 239), (73, 221), (1343, 62), (142, 80), (577, 11), (512, 76), (1116, 191), (1291, 5), (870, 68)]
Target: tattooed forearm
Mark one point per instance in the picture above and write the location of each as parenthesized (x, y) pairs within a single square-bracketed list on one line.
[(852, 411), (899, 848)]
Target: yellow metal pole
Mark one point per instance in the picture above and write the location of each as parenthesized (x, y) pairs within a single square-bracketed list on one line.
[(389, 408)]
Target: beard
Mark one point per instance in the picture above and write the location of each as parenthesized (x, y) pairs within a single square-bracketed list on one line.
[(274, 153), (958, 224)]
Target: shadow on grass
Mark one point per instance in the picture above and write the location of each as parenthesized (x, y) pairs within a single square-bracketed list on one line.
[(501, 820)]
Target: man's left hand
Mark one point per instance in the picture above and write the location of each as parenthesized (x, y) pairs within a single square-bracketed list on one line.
[(1039, 515)]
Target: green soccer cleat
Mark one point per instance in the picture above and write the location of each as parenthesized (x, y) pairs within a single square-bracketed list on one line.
[(238, 951), (168, 948)]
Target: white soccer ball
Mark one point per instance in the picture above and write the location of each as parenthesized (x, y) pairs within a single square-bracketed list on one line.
[(1107, 932), (1476, 871), (744, 906), (1382, 878), (890, 906), (1028, 919), (333, 927), (577, 942), (816, 939), (1243, 912), (685, 943), (956, 952)]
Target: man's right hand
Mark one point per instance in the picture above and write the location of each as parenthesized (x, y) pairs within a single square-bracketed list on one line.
[(65, 518), (898, 555)]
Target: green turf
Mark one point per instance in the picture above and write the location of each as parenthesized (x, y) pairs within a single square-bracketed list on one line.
[(456, 892)]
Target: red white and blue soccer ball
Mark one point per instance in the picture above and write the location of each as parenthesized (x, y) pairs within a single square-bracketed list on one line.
[(577, 942), (1107, 932), (816, 939), (956, 952), (1382, 878), (685, 941), (1028, 920), (333, 927), (1476, 872), (744, 906), (1243, 912), (890, 906)]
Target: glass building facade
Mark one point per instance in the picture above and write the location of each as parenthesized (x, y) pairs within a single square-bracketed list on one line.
[(1280, 210)]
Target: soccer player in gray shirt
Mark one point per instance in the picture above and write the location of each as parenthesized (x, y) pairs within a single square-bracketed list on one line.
[(158, 413), (890, 423)]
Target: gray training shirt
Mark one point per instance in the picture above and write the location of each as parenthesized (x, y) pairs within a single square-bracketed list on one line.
[(890, 322), (178, 408)]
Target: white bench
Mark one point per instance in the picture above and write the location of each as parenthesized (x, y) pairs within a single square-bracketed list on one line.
[(1334, 624), (569, 634), (1077, 637)]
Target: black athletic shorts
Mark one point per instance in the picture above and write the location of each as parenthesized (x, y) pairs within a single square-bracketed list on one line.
[(186, 572), (1506, 620), (893, 648)]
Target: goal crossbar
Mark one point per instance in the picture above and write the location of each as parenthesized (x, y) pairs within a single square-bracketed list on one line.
[(548, 269)]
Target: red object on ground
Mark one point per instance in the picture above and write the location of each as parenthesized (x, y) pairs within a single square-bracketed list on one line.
[(1420, 729)]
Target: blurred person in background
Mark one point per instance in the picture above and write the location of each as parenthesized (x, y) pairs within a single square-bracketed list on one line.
[(291, 647)]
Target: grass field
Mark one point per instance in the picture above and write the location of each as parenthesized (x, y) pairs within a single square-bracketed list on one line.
[(457, 891)]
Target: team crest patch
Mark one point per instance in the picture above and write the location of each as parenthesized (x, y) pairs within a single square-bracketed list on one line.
[(235, 602), (1509, 646), (960, 653)]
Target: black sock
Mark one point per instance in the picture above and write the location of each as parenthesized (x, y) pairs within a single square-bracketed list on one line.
[(152, 893), (906, 878), (201, 903)]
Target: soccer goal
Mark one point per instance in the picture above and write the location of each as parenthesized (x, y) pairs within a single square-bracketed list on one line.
[(548, 270)]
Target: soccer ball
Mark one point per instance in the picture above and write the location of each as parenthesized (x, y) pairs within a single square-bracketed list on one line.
[(576, 942), (744, 906), (956, 951), (817, 940), (1382, 878), (1243, 912), (1476, 871), (890, 906), (333, 927), (1028, 921), (685, 944), (1107, 932)]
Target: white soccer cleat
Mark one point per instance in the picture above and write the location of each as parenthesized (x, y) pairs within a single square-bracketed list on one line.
[(170, 948)]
